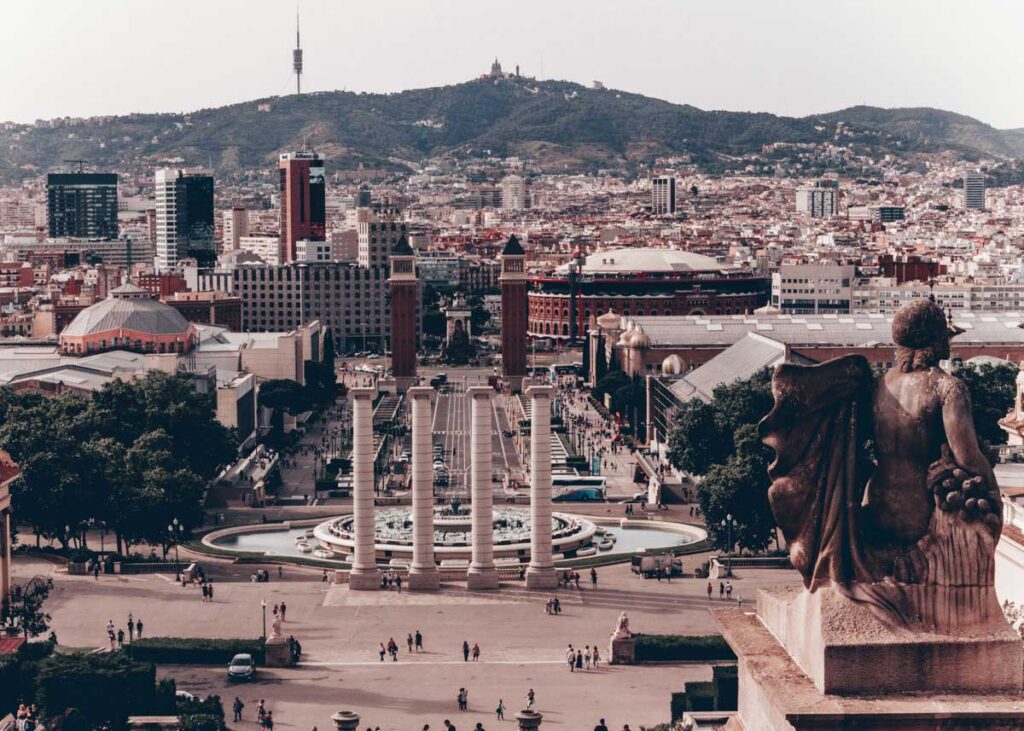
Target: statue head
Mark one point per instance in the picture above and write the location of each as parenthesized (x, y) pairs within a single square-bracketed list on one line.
[(921, 334)]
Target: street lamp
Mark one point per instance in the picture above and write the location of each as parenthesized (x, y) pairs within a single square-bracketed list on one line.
[(263, 605), (175, 530), (728, 524)]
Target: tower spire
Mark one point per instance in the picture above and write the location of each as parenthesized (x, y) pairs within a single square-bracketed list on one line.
[(297, 54)]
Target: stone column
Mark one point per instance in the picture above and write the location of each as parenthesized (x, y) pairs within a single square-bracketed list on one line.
[(482, 572), (364, 574), (541, 572), (346, 721), (5, 553), (528, 720), (423, 572)]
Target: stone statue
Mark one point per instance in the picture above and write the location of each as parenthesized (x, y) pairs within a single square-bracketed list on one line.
[(622, 627), (881, 488), (275, 627)]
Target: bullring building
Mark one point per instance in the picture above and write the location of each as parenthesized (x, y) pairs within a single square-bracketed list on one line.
[(641, 283)]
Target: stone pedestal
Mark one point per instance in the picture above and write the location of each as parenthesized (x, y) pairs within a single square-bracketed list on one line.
[(277, 654), (844, 649), (541, 572), (622, 650), (346, 721), (529, 720), (364, 575), (775, 694), (482, 572), (423, 574)]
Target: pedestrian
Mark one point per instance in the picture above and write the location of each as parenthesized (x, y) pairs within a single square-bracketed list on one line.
[(237, 707), (280, 571), (597, 657), (558, 606), (120, 638), (131, 627), (277, 610), (419, 641), (205, 593), (465, 651), (138, 628), (530, 697), (600, 726), (710, 589), (284, 609), (500, 710), (479, 727), (448, 725), (323, 579), (382, 651), (570, 657), (96, 570), (721, 590), (586, 657), (593, 577), (398, 583), (408, 641), (209, 590), (576, 579), (268, 722), (261, 710), (476, 652), (728, 590), (579, 659)]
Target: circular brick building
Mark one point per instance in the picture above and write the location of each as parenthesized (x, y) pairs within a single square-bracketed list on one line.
[(640, 282)]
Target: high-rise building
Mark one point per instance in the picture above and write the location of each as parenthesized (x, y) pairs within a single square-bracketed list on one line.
[(380, 229), (404, 296), (819, 200), (236, 225), (364, 199), (82, 205), (974, 192), (184, 217), (514, 196), (514, 313), (663, 195), (303, 201)]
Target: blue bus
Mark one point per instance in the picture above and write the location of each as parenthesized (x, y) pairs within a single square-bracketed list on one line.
[(571, 488)]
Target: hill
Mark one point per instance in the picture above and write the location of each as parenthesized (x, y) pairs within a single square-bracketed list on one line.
[(560, 124)]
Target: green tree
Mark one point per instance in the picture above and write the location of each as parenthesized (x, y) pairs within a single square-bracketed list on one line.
[(281, 395), (993, 389), (696, 443), (22, 608)]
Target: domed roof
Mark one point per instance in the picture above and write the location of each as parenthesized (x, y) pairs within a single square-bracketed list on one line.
[(609, 320), (672, 365), (128, 313), (622, 261)]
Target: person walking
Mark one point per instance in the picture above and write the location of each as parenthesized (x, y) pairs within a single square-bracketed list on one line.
[(465, 651), (579, 659), (530, 698), (408, 642), (284, 610), (500, 710), (593, 577), (721, 590), (570, 657), (600, 726), (476, 652), (120, 638), (138, 628), (382, 651), (728, 590), (479, 727), (710, 590), (131, 627), (268, 721), (205, 593), (237, 707), (419, 641), (597, 657), (586, 657)]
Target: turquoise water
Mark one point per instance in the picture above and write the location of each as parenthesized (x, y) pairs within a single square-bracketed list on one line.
[(282, 543)]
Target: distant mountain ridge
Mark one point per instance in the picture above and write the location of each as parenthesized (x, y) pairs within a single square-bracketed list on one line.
[(563, 125)]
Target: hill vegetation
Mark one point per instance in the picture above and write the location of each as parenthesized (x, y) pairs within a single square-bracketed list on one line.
[(559, 124)]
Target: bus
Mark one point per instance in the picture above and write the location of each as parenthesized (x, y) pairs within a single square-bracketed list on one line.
[(572, 488)]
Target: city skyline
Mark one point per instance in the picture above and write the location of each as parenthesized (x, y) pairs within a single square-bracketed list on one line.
[(738, 56)]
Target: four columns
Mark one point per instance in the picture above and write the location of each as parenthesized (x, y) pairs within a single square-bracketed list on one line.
[(423, 573), (541, 572), (482, 572), (364, 575)]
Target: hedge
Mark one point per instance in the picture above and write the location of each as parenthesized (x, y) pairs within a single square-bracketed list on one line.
[(105, 689), (655, 648), (194, 650)]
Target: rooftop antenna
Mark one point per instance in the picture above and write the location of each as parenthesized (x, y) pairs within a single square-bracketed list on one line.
[(297, 54)]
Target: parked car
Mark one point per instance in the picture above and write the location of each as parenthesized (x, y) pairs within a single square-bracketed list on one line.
[(241, 667)]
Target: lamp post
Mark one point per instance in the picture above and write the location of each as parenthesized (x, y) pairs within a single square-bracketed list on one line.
[(175, 530), (729, 523), (263, 605)]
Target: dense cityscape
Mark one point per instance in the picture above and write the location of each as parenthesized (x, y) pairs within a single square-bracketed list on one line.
[(627, 421)]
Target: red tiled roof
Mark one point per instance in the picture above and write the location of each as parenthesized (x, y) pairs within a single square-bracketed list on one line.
[(10, 645), (8, 469)]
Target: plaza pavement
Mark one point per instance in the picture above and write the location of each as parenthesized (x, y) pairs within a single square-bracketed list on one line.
[(521, 646)]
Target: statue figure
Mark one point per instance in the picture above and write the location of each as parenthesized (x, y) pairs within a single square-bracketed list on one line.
[(275, 627), (622, 627), (881, 488)]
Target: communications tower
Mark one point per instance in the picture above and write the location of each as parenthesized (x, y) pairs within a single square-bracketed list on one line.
[(297, 56)]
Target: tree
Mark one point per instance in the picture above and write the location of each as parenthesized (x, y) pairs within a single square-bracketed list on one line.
[(993, 389), (695, 442), (23, 607), (281, 395)]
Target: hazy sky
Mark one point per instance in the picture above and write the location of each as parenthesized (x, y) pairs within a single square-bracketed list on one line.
[(89, 57)]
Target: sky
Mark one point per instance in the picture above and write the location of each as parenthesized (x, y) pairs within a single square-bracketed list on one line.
[(82, 58)]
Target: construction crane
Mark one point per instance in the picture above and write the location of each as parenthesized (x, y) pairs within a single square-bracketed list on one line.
[(81, 164)]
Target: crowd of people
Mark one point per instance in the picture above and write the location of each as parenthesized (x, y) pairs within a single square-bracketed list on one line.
[(117, 635), (414, 641), (585, 659)]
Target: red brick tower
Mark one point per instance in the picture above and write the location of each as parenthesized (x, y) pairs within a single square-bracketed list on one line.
[(514, 286), (404, 295), (303, 201)]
